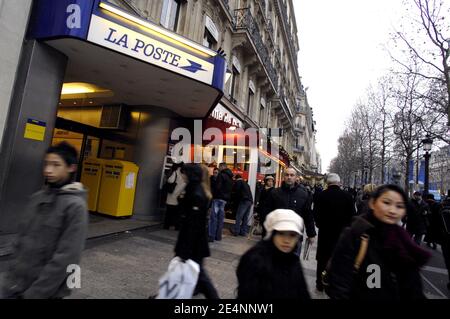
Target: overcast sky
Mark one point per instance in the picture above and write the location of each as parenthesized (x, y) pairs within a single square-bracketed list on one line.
[(340, 55)]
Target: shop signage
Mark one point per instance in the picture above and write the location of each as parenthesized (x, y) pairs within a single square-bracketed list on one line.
[(35, 130), (118, 38), (220, 113)]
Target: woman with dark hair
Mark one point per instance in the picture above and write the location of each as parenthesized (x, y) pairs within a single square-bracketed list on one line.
[(172, 216), (192, 242), (375, 258), (271, 269)]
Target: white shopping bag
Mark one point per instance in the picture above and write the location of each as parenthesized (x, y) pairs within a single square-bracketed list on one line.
[(180, 279)]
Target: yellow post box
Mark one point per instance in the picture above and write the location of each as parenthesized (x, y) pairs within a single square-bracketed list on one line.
[(91, 176), (118, 187)]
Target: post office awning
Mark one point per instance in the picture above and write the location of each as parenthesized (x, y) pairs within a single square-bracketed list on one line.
[(140, 62)]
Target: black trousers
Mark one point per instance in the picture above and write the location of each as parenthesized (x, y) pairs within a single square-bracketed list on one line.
[(205, 285), (172, 217), (321, 265)]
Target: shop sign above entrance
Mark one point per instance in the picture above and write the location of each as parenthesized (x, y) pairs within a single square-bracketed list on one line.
[(109, 26), (220, 113), (118, 38)]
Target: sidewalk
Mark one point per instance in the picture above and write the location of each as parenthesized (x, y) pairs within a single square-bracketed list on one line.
[(130, 265)]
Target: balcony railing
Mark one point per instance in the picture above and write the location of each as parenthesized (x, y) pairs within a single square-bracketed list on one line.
[(283, 9), (245, 20), (226, 4)]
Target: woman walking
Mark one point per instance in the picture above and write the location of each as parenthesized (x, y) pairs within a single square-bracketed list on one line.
[(375, 258), (192, 242)]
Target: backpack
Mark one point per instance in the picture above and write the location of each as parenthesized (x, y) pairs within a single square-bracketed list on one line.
[(325, 276)]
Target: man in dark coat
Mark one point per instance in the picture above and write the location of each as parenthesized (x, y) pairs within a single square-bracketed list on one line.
[(416, 222), (244, 200), (333, 211), (444, 233), (221, 195), (432, 236), (293, 196)]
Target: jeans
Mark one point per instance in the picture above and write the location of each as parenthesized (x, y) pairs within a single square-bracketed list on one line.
[(216, 220), (241, 226)]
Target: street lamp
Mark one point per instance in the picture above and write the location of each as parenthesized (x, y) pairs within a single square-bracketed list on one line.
[(427, 143)]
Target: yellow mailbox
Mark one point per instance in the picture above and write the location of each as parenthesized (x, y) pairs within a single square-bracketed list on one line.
[(118, 186), (91, 176)]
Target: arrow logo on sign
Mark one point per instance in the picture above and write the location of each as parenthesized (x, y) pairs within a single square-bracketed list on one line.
[(194, 67)]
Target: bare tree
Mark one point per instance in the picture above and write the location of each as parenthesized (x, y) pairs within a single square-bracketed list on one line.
[(408, 111), (379, 98), (426, 36)]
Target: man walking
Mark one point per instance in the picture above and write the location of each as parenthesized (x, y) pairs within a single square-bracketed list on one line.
[(294, 196), (416, 218), (244, 201), (52, 233), (333, 211), (221, 195)]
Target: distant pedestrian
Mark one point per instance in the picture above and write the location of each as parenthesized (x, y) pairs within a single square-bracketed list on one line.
[(416, 218), (333, 211), (172, 216), (192, 242), (433, 221), (375, 258), (244, 200), (269, 182), (271, 269), (295, 197), (52, 233), (363, 204), (221, 195)]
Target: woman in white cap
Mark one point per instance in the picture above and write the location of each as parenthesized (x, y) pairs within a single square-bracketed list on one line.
[(270, 269)]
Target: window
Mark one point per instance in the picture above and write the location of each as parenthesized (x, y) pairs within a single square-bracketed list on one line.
[(251, 96), (261, 115), (208, 40), (170, 14), (234, 83)]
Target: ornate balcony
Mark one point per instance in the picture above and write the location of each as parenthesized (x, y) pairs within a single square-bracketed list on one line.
[(245, 20)]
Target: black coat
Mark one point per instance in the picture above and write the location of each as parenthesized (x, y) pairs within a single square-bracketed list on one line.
[(262, 201), (398, 279), (264, 272), (416, 219), (434, 220), (223, 185), (192, 242), (333, 211), (242, 191), (296, 198)]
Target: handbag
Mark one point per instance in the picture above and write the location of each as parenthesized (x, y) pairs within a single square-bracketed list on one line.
[(180, 279), (325, 275), (170, 187)]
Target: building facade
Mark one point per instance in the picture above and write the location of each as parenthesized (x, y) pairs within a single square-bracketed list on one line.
[(103, 63)]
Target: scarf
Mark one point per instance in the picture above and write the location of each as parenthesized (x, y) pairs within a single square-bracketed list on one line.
[(399, 249)]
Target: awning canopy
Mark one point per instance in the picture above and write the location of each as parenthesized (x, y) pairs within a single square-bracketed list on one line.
[(140, 62)]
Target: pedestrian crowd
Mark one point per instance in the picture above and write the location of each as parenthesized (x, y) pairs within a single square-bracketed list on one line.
[(369, 241)]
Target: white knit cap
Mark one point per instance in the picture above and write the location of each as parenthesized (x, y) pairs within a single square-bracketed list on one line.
[(283, 220), (333, 178)]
